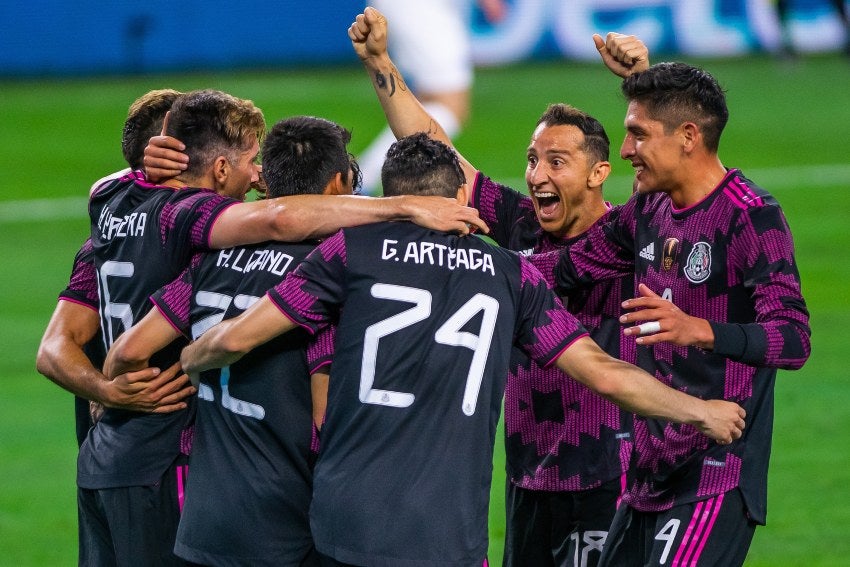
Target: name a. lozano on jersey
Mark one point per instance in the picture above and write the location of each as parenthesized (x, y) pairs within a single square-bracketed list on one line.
[(111, 226), (435, 254), (272, 261)]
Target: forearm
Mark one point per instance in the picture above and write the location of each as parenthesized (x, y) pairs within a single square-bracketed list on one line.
[(66, 364), (118, 363), (301, 217), (230, 340), (133, 350), (626, 385), (319, 216), (209, 351), (61, 356), (639, 392), (405, 114)]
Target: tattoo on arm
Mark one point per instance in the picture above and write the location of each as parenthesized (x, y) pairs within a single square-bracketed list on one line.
[(381, 81)]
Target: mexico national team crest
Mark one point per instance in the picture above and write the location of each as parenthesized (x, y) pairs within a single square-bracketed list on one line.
[(698, 266)]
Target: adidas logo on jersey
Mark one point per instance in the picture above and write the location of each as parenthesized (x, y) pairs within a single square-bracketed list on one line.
[(648, 252)]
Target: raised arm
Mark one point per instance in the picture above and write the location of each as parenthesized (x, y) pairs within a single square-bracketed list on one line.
[(405, 115), (637, 391)]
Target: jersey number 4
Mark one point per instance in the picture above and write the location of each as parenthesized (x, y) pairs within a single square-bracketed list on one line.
[(449, 333)]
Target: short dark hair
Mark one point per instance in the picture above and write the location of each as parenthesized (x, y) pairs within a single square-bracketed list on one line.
[(302, 154), (144, 121), (596, 143), (675, 93), (212, 123), (421, 165)]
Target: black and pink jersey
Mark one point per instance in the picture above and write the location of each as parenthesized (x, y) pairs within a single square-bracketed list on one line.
[(143, 236), (560, 435), (249, 489), (730, 260), (82, 285), (426, 320)]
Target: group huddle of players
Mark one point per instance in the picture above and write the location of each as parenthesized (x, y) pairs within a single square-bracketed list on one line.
[(347, 357)]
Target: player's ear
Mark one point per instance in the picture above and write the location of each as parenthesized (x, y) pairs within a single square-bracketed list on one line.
[(599, 172), (337, 186), (463, 194), (221, 170), (690, 135)]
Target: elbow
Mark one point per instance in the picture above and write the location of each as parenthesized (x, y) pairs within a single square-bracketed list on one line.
[(124, 356), (796, 352), (231, 346), (607, 388), (44, 359)]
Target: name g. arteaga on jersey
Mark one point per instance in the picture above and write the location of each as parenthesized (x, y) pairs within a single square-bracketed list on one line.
[(435, 254)]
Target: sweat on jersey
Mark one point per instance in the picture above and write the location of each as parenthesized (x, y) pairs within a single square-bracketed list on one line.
[(143, 236), (426, 320), (560, 435), (728, 259)]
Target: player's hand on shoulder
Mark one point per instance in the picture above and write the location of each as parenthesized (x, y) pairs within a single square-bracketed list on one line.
[(446, 215), (623, 54)]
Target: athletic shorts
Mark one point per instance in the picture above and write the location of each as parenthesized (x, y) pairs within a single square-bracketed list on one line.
[(716, 531), (131, 526), (547, 529), (327, 561)]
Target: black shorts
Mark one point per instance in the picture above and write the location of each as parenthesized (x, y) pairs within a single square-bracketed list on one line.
[(716, 531), (558, 528), (327, 561), (131, 526)]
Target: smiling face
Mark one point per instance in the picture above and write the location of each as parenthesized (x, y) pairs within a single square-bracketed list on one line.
[(558, 173), (655, 155)]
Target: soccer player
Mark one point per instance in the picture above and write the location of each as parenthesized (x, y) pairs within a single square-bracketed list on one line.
[(719, 309), (143, 237), (566, 447), (251, 452), (70, 352), (426, 320)]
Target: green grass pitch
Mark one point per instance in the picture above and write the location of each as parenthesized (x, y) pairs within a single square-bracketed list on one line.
[(787, 131)]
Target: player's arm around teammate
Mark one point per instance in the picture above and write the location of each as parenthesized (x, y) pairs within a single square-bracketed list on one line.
[(62, 357), (296, 218)]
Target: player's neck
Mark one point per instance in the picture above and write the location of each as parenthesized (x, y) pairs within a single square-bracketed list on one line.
[(700, 183), (187, 181)]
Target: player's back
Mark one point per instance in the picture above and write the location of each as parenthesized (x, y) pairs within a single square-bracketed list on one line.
[(251, 478), (422, 349), (143, 236)]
